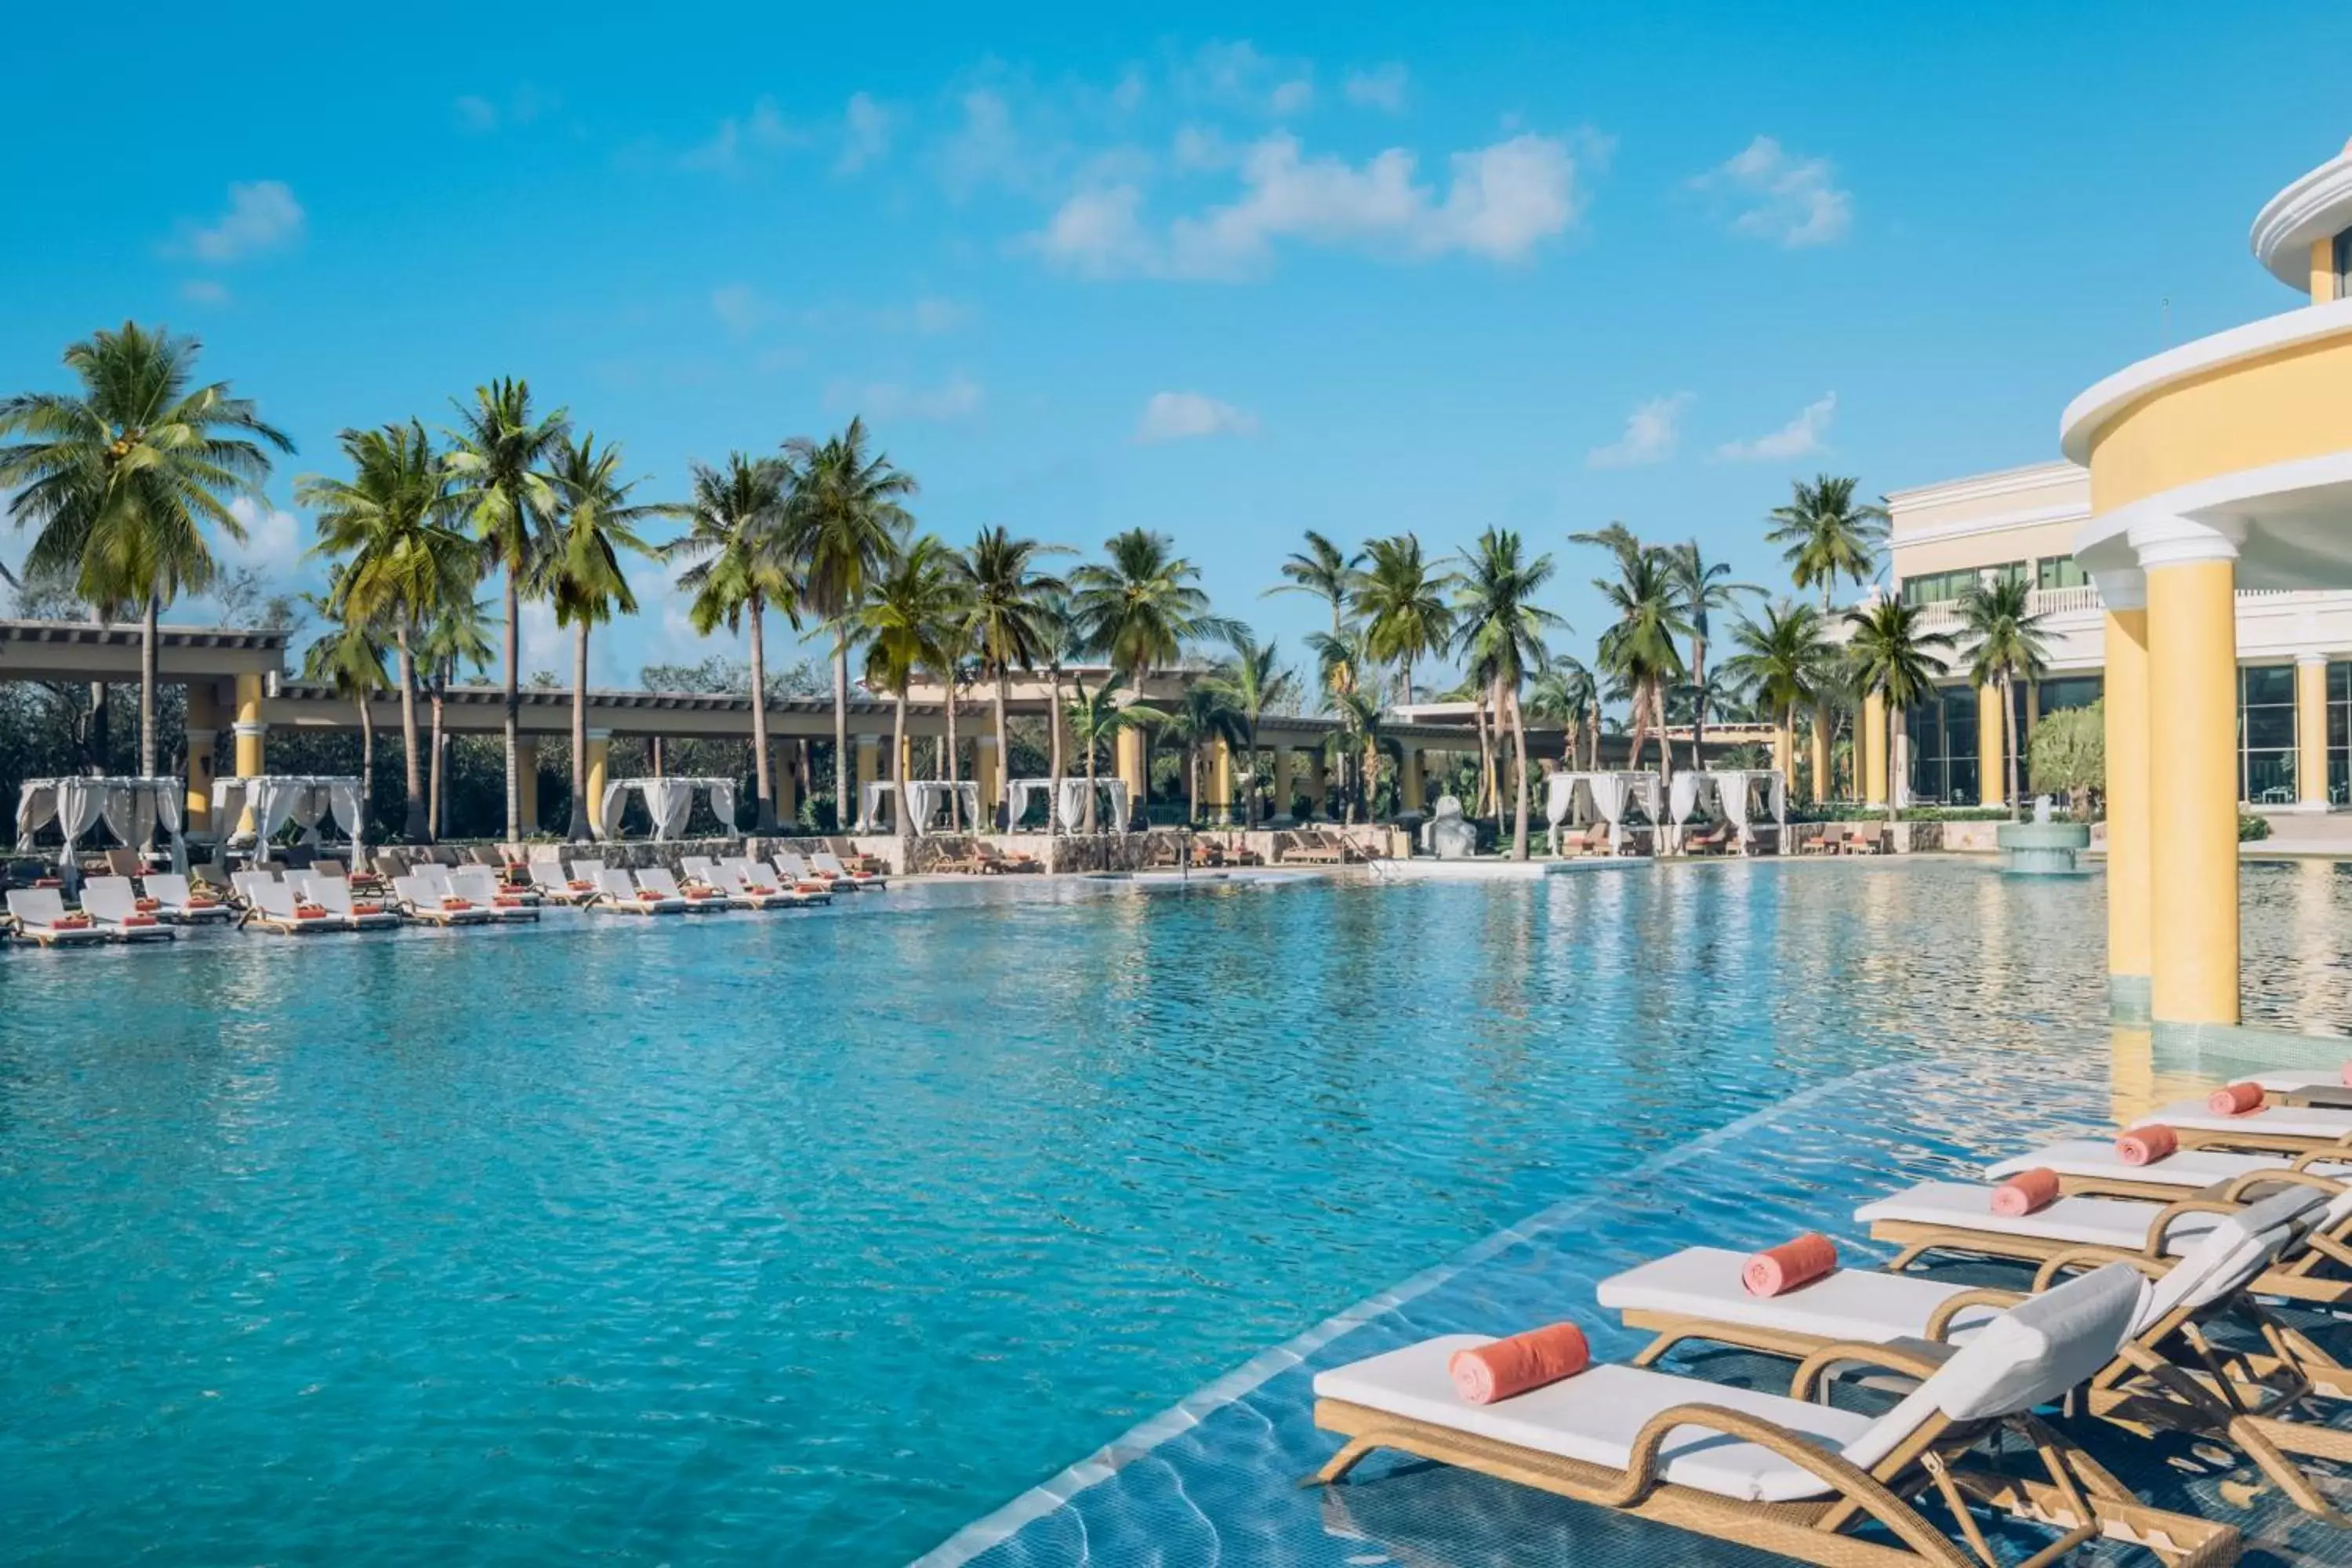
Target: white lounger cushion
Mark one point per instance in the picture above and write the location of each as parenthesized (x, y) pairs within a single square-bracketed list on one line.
[(2295, 1122), (37, 905), (2096, 1157), (2297, 1080), (1596, 1416), (2087, 1222), (1852, 1304)]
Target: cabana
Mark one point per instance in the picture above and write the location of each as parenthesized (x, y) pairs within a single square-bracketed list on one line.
[(869, 803), (1582, 799), (925, 797), (1111, 806), (668, 801), (276, 799), (132, 808), (1739, 795)]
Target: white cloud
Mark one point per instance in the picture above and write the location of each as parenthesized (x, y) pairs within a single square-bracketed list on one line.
[(1502, 201), (1800, 438), (1240, 75), (740, 307), (928, 317), (273, 540), (958, 397), (1382, 87), (1789, 201), (1652, 432), (764, 130), (987, 150), (1184, 416), (867, 126), (204, 291), (479, 114), (475, 113), (262, 217)]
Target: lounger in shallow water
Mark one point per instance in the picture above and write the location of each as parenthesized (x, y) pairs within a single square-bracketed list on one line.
[(111, 902), (746, 888), (1784, 1475), (480, 886), (40, 916), (549, 880), (616, 895), (433, 902), (334, 894), (656, 882), (273, 907), (183, 904), (2091, 1165), (804, 879), (2289, 1128), (828, 863)]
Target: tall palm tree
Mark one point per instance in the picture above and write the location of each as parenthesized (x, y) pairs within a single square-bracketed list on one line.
[(1324, 570), (499, 456), (1359, 741), (1500, 629), (1253, 683), (1704, 586), (1202, 715), (1892, 658), (389, 525), (1062, 646), (456, 636), (742, 567), (847, 517), (1785, 661), (349, 657), (1825, 535), (1012, 603), (1638, 647), (1138, 609), (120, 476), (903, 619), (953, 641), (1403, 602), (2007, 644), (1096, 718), (1566, 693), (580, 571)]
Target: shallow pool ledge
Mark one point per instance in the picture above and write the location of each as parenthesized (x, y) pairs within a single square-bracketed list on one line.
[(2226, 1050)]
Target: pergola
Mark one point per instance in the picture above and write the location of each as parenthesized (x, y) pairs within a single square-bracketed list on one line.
[(132, 808), (272, 800), (925, 798), (670, 801), (1583, 799), (1736, 794)]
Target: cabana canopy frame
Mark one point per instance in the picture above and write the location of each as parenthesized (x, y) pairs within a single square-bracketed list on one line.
[(1734, 795), (1583, 799), (668, 801), (132, 807), (304, 799)]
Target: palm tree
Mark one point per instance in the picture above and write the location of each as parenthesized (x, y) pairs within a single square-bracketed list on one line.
[(738, 541), (1894, 660), (1253, 683), (902, 620), (390, 524), (1566, 694), (1012, 603), (1138, 609), (454, 636), (1405, 616), (1823, 535), (1062, 646), (499, 456), (1096, 719), (2007, 645), (1359, 737), (1704, 586), (349, 656), (846, 517), (1323, 570), (580, 571), (1500, 631), (1639, 647), (1785, 660), (119, 478), (1202, 716), (954, 640)]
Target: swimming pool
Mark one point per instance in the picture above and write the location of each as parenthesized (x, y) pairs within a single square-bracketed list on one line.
[(822, 1233)]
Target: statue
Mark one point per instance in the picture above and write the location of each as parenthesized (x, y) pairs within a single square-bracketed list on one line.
[(1448, 834)]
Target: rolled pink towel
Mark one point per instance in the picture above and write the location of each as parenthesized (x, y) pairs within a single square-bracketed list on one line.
[(2028, 1191), (1507, 1366), (2146, 1145), (2347, 1075), (2235, 1100), (1777, 1269)]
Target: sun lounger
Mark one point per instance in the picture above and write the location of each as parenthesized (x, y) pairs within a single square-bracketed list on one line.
[(1697, 1296), (1830, 842), (733, 876), (483, 887), (656, 882), (111, 903), (178, 902), (435, 903), (39, 915), (794, 875), (274, 906), (334, 895), (2284, 1129), (617, 895), (549, 881), (2320, 1088), (1780, 1474), (826, 863), (1307, 848), (2091, 1165), (1014, 862), (1956, 1218)]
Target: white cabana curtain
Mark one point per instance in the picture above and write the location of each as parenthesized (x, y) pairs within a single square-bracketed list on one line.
[(926, 797), (668, 801), (870, 799), (132, 807), (276, 799), (1017, 796), (1110, 805), (1581, 799)]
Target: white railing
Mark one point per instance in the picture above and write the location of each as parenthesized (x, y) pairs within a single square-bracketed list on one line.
[(1943, 614)]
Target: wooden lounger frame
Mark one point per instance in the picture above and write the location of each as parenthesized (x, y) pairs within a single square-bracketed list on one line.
[(275, 926), (2080, 1498)]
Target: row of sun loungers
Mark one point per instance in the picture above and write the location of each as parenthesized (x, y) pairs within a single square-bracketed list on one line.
[(2151, 1259)]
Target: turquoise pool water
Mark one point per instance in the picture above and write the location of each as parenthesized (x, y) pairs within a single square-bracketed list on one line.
[(822, 1234)]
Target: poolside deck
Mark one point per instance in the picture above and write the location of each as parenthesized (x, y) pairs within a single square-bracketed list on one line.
[(1491, 868)]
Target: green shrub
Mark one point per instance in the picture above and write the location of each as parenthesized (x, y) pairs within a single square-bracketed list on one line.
[(2068, 756), (2252, 828)]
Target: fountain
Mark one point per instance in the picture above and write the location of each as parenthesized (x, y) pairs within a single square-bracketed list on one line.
[(2041, 847)]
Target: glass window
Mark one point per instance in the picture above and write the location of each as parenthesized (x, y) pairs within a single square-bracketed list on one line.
[(2339, 731), (2070, 691), (2266, 733), (1959, 744), (2059, 572), (2344, 265), (1937, 587), (2007, 571)]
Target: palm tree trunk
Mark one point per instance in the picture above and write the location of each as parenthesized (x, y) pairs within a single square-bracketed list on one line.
[(1192, 783), (1665, 751), (514, 707), (1519, 748), (577, 832), (1087, 817), (843, 808), (1053, 758), (412, 826), (148, 676), (435, 823), (1898, 762), (1004, 759), (1487, 794), (1404, 676), (900, 818), (1699, 702), (763, 781), (955, 803), (2008, 729)]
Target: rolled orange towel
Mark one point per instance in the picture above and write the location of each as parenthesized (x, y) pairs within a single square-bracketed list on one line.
[(2235, 1100), (1777, 1269), (2146, 1145), (1514, 1365), (2026, 1193)]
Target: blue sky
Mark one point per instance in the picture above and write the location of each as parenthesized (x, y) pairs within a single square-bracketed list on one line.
[(1361, 270)]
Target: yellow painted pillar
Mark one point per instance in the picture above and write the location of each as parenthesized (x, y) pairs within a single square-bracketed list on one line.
[(252, 742), (1873, 749), (865, 768), (598, 764), (2126, 704), (1129, 763), (1313, 779), (2193, 702), (2322, 271), (527, 783), (1282, 789), (2311, 730), (1823, 785), (1992, 760), (203, 734), (1784, 748), (904, 768), (1413, 788), (1221, 781), (985, 772)]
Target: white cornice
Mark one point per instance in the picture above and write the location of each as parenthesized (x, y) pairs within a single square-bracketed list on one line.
[(1984, 486), (2316, 207), (2096, 408), (1976, 526)]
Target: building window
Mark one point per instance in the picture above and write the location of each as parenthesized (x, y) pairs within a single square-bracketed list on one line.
[(2339, 731), (2070, 691), (1937, 587), (2059, 572), (1943, 733), (2344, 265), (2266, 733), (2007, 571)]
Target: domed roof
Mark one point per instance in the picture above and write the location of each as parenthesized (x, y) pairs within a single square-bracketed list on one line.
[(2316, 207)]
